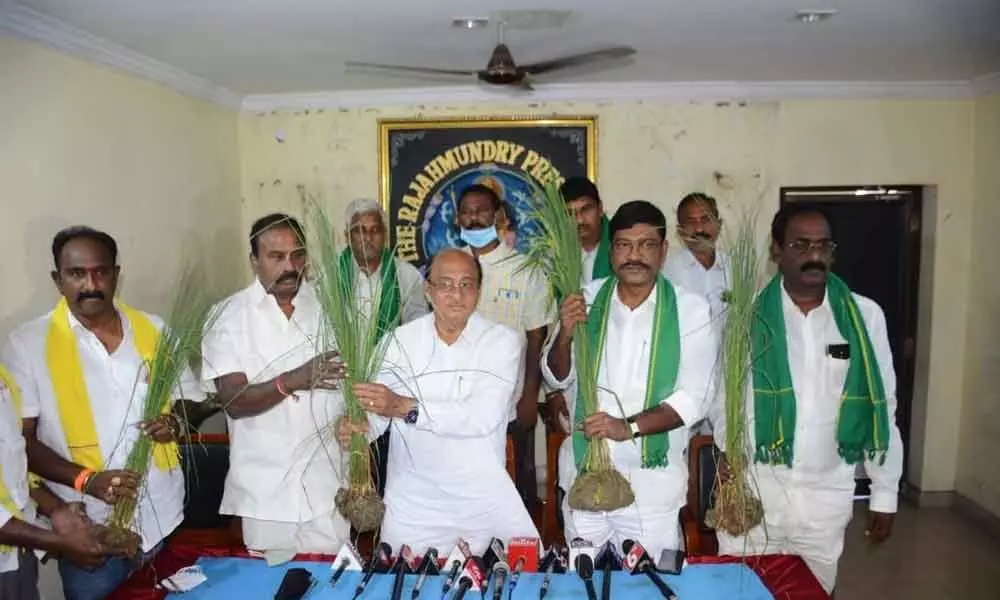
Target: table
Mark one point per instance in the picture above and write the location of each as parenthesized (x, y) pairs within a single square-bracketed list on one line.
[(786, 577)]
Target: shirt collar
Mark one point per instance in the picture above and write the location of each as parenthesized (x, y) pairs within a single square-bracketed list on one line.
[(78, 327), (692, 261), (789, 305), (493, 256), (260, 297)]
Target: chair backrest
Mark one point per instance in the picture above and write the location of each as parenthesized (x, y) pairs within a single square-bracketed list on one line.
[(511, 458), (205, 463), (702, 469)]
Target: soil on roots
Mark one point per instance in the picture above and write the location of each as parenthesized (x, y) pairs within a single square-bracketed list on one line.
[(123, 542), (363, 509), (736, 510), (600, 491)]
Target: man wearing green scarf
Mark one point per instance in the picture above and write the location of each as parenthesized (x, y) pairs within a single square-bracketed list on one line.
[(653, 359), (584, 203), (823, 401), (378, 274)]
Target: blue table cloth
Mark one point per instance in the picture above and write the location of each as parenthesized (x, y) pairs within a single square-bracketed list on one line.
[(251, 579)]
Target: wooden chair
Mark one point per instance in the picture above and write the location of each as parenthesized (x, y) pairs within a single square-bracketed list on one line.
[(699, 538), (511, 461), (551, 532)]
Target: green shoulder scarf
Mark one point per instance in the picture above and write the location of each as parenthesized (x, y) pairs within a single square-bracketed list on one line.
[(389, 301), (863, 426), (602, 260), (664, 360)]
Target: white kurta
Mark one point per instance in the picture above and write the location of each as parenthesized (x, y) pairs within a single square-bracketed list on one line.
[(14, 471), (282, 467), (446, 476), (624, 367), (808, 506), (413, 303), (116, 388), (684, 270)]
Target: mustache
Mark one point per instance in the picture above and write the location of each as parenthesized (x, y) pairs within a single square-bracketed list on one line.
[(95, 295), (813, 266), (636, 264), (701, 235), (289, 276)]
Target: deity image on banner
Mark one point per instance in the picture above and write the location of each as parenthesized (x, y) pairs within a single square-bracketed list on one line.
[(425, 165)]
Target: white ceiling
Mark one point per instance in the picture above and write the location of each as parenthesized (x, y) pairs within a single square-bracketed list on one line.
[(275, 46)]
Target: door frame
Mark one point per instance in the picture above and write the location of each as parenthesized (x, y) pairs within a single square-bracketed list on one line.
[(912, 199)]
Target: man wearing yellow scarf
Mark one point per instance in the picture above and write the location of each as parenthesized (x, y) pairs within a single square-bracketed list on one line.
[(260, 354), (20, 500), (82, 369)]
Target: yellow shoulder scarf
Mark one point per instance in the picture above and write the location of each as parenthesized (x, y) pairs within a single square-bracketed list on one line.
[(7, 380), (66, 372)]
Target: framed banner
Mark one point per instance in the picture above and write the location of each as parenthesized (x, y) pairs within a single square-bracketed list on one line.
[(425, 165)]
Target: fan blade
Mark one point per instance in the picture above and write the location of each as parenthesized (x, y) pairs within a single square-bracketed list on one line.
[(431, 70), (578, 59)]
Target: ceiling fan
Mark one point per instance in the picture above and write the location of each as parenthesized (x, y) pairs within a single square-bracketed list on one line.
[(501, 70)]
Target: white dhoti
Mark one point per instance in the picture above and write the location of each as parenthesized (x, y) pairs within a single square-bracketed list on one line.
[(808, 521)]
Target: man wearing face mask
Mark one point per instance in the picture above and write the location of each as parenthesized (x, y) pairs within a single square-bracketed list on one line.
[(377, 274), (260, 355), (514, 297), (82, 371), (821, 401), (654, 357)]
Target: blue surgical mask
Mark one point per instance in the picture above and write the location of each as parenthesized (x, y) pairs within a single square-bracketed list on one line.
[(479, 238)]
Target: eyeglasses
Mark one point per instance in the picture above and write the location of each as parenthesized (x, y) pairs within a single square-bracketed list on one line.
[(807, 246), (447, 286), (646, 246)]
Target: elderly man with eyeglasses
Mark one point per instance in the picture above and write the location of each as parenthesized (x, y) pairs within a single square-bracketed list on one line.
[(445, 390)]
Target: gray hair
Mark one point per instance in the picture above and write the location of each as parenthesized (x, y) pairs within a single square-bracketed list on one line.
[(360, 207)]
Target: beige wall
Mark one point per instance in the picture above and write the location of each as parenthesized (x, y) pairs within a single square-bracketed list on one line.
[(979, 456), (81, 144), (661, 151)]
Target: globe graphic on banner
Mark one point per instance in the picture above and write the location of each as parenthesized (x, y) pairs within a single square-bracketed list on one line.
[(516, 189)]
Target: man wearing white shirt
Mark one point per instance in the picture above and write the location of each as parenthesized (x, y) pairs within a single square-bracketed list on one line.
[(700, 267), (654, 358), (822, 401), (398, 285), (72, 533), (518, 298), (278, 390), (446, 390), (584, 202), (698, 264), (83, 374)]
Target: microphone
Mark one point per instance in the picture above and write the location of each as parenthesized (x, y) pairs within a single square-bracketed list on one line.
[(471, 579), (347, 560), (585, 569), (516, 574), (638, 561), (494, 553), (607, 560), (380, 561), (401, 567), (499, 577), (459, 555), (428, 566), (523, 554), (552, 563), (577, 547)]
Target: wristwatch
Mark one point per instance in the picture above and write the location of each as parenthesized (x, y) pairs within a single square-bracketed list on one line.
[(633, 426), (411, 416)]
